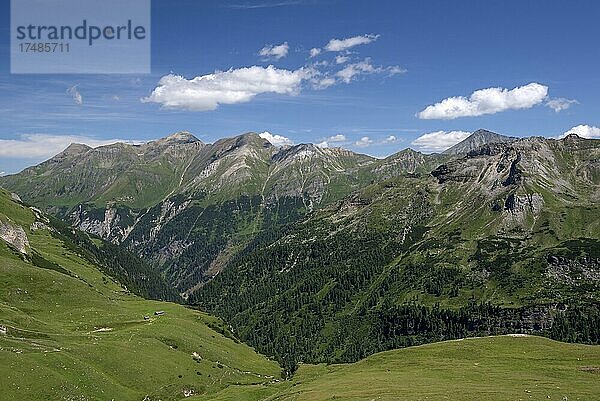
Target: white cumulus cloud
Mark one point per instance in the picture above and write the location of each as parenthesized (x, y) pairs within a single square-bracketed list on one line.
[(486, 101), (315, 51), (584, 131), (396, 69), (207, 92), (337, 45), (74, 92), (560, 103), (390, 139), (337, 138), (41, 146), (363, 142), (439, 141), (334, 140), (274, 51), (277, 140)]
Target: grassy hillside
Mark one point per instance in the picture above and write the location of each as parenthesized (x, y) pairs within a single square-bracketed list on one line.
[(474, 369), (74, 333)]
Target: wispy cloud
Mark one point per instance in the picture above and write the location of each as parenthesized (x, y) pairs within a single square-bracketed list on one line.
[(560, 103), (395, 69), (337, 138), (341, 59), (348, 73), (363, 142), (337, 45), (323, 82), (274, 51), (352, 70), (252, 5), (486, 101), (367, 141)]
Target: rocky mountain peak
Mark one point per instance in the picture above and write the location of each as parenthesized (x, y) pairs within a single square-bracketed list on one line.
[(71, 152), (248, 138), (300, 151), (405, 154), (408, 151), (306, 147), (252, 138), (571, 137), (476, 140), (76, 149), (181, 137), (484, 132)]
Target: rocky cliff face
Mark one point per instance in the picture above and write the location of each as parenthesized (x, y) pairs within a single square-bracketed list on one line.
[(15, 236)]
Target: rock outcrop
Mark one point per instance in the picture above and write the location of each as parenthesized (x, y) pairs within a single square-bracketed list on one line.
[(15, 236)]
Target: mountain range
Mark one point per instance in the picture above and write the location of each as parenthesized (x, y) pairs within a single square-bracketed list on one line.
[(160, 199), (322, 254)]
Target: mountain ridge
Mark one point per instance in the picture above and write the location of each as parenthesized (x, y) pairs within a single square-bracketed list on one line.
[(134, 198)]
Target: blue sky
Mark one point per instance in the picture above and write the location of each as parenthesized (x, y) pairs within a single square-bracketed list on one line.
[(396, 63)]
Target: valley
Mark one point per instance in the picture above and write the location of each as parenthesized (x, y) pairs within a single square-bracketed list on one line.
[(71, 332)]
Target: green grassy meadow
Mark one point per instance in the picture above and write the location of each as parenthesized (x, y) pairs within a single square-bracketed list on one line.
[(475, 369)]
